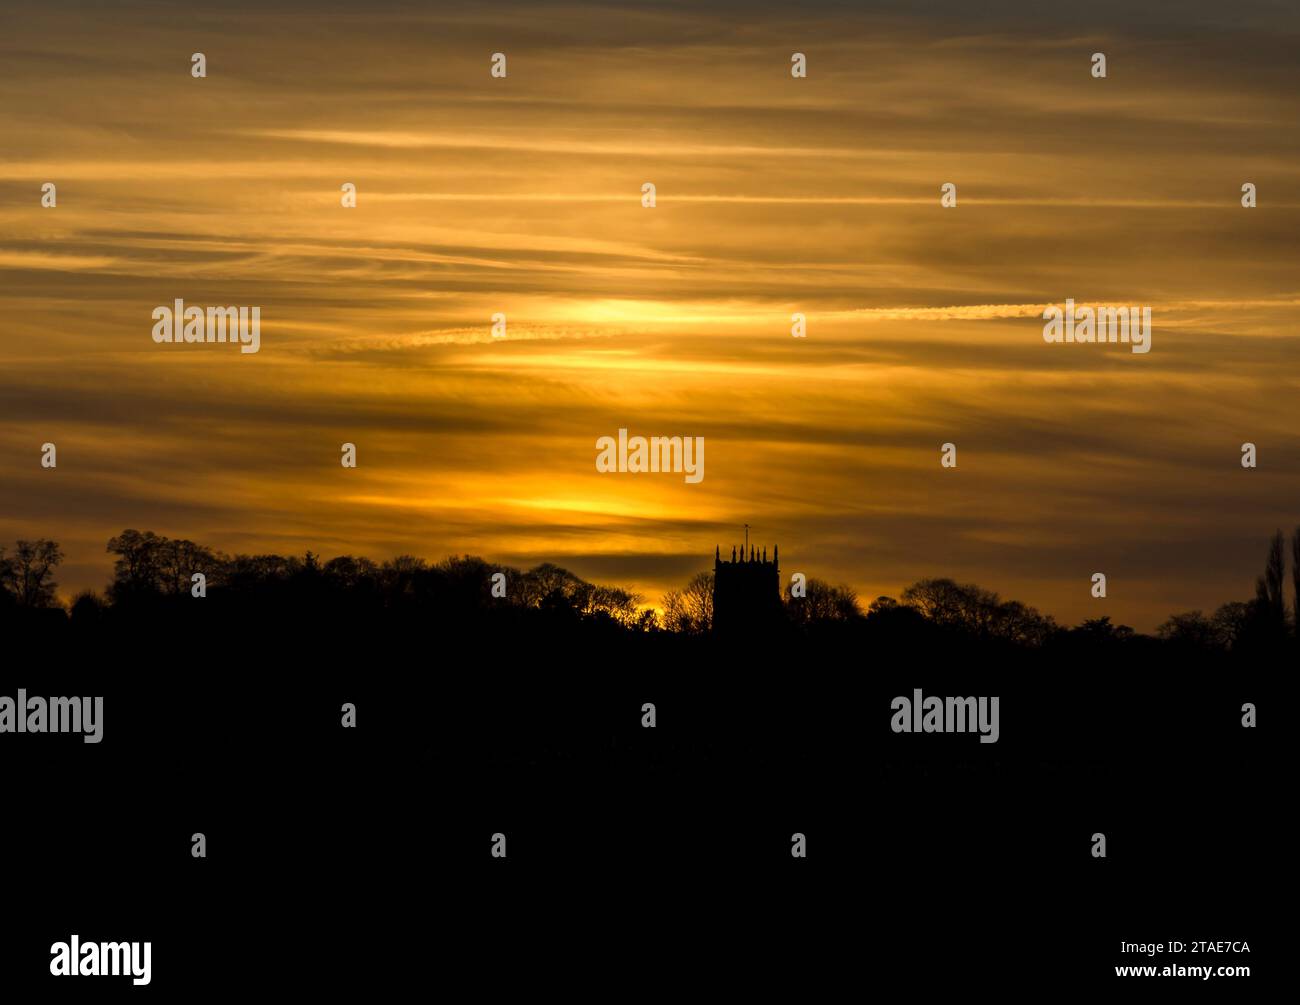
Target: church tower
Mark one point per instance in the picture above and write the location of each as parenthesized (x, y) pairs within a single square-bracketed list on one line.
[(746, 592)]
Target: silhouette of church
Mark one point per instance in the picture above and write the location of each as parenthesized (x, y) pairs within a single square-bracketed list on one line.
[(746, 592)]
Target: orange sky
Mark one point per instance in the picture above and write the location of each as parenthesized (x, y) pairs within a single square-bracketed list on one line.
[(479, 195)]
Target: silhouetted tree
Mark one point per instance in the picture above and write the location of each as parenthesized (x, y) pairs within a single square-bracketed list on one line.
[(889, 618), (1269, 626), (1101, 630), (135, 572), (613, 602), (690, 609), (1191, 629), (1232, 622), (944, 602), (349, 572), (1022, 624), (972, 610), (822, 602), (1295, 581), (177, 561), (543, 581), (29, 573), (87, 609), (398, 576), (1268, 588)]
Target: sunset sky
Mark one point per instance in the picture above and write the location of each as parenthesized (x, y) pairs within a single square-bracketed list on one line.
[(775, 195)]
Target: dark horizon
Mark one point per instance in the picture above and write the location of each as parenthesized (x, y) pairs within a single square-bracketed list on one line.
[(151, 568)]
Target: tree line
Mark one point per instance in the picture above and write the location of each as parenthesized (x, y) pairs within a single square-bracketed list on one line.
[(150, 570)]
